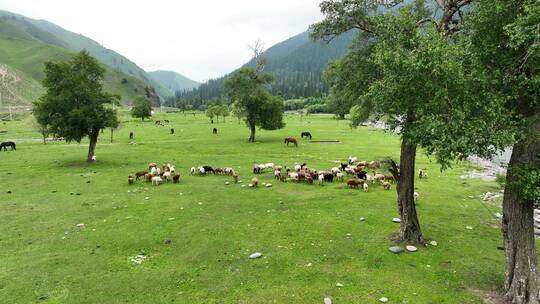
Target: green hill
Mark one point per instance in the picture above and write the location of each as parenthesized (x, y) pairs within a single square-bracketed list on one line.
[(174, 81), (49, 33), (22, 61)]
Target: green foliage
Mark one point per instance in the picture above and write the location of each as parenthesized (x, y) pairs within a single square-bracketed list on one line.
[(248, 89), (74, 105), (142, 108), (358, 115), (317, 108)]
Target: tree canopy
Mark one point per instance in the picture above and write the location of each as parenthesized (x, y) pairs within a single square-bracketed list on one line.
[(74, 105), (142, 108)]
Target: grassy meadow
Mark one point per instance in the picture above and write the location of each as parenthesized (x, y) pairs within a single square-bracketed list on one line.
[(198, 234)]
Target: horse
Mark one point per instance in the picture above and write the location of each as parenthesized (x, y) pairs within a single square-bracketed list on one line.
[(306, 134), (291, 140), (6, 144), (214, 131)]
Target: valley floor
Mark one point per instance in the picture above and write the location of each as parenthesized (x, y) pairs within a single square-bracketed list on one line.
[(197, 236)]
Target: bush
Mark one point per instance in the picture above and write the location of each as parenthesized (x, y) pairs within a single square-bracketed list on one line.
[(317, 108)]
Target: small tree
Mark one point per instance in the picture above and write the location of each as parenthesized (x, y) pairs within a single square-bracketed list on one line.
[(237, 111), (224, 112), (42, 129), (142, 108), (74, 105), (211, 112), (248, 88)]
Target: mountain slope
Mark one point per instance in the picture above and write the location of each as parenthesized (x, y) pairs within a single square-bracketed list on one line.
[(174, 81), (297, 64), (22, 61), (50, 33)]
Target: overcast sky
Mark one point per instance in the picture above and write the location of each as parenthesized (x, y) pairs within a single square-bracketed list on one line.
[(201, 39)]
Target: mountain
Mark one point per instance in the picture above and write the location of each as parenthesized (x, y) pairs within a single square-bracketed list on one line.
[(174, 81), (51, 34), (297, 64)]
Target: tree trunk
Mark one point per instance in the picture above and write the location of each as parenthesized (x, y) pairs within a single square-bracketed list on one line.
[(409, 230), (252, 133), (112, 134), (44, 138), (521, 283), (92, 146)]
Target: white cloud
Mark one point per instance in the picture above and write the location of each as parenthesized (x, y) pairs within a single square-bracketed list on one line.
[(201, 39)]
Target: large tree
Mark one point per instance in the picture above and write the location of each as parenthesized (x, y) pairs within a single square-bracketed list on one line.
[(504, 43), (142, 108), (75, 105), (404, 66), (248, 88)]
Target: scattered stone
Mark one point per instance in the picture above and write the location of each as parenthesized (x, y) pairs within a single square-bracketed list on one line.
[(433, 243), (255, 255), (168, 242), (81, 225), (396, 220), (147, 198), (383, 300), (498, 215), (362, 219), (227, 183), (138, 259), (250, 185), (468, 227), (411, 248), (396, 249), (309, 265), (243, 186), (339, 285), (327, 300)]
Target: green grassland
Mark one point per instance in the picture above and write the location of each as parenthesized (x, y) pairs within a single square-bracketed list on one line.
[(311, 236)]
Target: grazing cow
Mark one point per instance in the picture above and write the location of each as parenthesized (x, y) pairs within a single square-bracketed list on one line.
[(374, 165), (389, 178), (355, 183), (148, 177), (218, 170), (283, 178), (291, 140), (140, 174), (166, 121), (152, 165), (156, 181), (130, 180), (172, 131), (235, 177), (340, 176), (130, 135), (306, 135), (328, 177), (214, 131), (422, 173), (208, 169), (309, 180), (352, 160), (277, 174), (176, 178), (362, 175), (321, 179), (366, 187), (343, 166), (7, 144), (387, 186), (158, 122), (254, 182)]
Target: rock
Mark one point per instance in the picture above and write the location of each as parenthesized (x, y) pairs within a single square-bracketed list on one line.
[(362, 219), (383, 300), (255, 255), (138, 259), (411, 248), (396, 220), (468, 227), (327, 300), (81, 225), (268, 185), (250, 185), (498, 215), (339, 285), (396, 249), (227, 183), (433, 243), (537, 212), (243, 186), (168, 242)]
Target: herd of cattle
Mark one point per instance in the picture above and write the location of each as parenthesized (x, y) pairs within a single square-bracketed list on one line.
[(359, 174)]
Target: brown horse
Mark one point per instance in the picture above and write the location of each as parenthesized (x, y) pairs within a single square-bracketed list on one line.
[(291, 140)]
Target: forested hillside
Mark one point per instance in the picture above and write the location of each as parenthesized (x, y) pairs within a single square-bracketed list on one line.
[(174, 81), (297, 64)]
